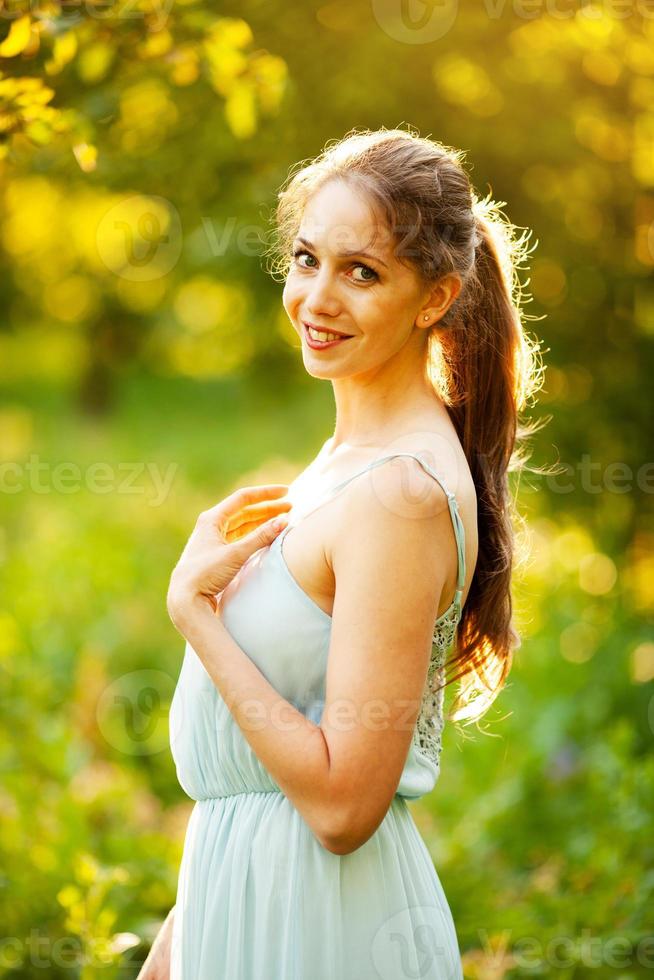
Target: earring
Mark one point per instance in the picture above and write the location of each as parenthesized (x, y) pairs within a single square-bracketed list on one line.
[(426, 316)]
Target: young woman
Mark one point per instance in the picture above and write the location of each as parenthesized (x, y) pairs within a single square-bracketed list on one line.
[(309, 707)]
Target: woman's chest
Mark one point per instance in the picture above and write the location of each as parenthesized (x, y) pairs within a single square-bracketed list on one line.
[(276, 625)]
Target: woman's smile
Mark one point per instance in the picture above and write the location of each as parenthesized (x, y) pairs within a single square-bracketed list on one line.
[(322, 339)]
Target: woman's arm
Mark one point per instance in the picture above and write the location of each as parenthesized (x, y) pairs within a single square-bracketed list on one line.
[(393, 554), (157, 965), (290, 746)]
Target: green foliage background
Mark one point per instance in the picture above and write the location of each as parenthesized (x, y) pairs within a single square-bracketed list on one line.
[(141, 148)]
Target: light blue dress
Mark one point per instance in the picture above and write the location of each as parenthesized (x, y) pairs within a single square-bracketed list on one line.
[(259, 898)]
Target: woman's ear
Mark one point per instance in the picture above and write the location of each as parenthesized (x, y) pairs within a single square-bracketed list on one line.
[(444, 293)]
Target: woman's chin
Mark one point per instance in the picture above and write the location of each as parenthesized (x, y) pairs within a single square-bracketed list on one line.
[(320, 373), (325, 372)]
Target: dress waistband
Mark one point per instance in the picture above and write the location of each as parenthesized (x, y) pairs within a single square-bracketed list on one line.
[(240, 792)]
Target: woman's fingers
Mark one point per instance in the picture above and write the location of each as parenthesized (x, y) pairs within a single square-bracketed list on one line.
[(237, 531), (252, 516), (245, 496), (226, 510)]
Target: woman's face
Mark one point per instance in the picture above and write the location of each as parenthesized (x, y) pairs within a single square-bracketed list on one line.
[(366, 293)]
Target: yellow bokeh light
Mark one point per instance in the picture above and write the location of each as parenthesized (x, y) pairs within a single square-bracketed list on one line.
[(639, 581), (597, 573), (16, 431), (643, 156), (211, 355), (571, 547), (578, 642), (94, 61), (72, 299), (464, 82), (146, 112), (642, 663), (601, 67), (638, 55), (34, 216), (608, 139), (185, 65), (203, 303)]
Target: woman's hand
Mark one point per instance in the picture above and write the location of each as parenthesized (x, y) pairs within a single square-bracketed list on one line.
[(157, 964), (224, 537)]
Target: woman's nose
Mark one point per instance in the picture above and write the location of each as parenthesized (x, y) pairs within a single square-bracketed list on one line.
[(321, 296)]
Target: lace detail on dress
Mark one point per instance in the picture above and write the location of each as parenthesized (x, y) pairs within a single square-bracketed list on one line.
[(427, 735)]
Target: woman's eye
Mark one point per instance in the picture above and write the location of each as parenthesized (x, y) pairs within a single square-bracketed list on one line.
[(366, 268), (299, 253), (370, 276)]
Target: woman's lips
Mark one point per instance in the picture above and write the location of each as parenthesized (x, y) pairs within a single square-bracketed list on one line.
[(321, 344)]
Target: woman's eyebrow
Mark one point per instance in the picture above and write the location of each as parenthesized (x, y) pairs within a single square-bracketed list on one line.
[(346, 255)]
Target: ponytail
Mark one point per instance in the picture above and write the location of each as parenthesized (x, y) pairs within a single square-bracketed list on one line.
[(485, 369)]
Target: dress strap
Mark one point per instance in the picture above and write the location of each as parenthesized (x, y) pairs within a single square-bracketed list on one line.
[(459, 532)]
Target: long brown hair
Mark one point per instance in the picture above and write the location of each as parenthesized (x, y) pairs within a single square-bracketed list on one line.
[(480, 360)]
